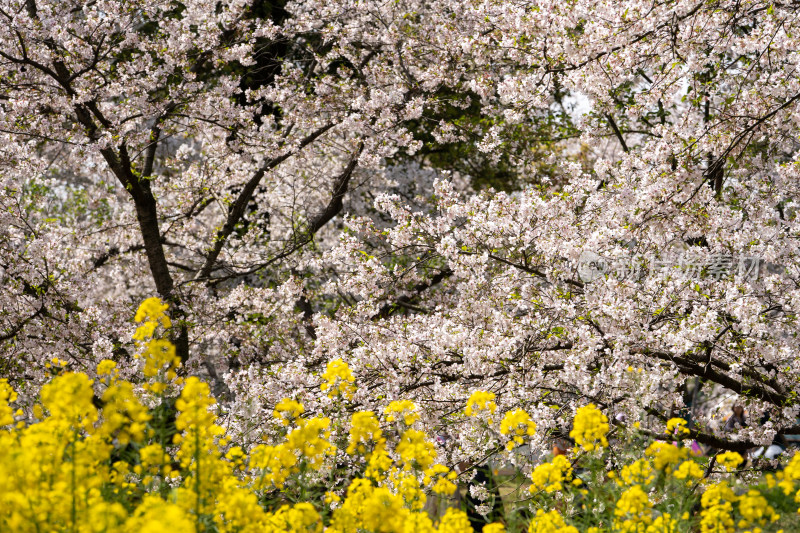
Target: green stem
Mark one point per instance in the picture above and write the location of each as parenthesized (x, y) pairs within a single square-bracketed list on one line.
[(74, 508), (197, 473)]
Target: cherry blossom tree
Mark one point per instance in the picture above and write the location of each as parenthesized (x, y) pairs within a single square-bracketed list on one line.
[(558, 202)]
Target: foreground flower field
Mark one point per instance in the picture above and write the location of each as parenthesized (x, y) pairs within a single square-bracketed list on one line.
[(108, 455)]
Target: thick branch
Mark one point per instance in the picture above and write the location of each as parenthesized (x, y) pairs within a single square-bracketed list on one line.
[(86, 114), (688, 365), (328, 212), (617, 132), (418, 289), (238, 207), (16, 329), (336, 202)]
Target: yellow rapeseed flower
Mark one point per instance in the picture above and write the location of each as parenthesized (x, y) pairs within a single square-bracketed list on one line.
[(310, 440), (633, 510), (589, 427), (155, 515), (666, 455), (730, 460), (415, 450), (689, 470), (454, 521), (299, 518), (78, 410), (755, 510), (441, 479), (550, 477), (287, 411), (107, 367), (365, 433), (517, 424), (640, 472), (403, 410), (7, 395), (677, 426), (339, 380), (549, 522), (480, 401), (717, 509)]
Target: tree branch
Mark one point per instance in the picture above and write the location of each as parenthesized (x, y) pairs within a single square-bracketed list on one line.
[(237, 208), (618, 133)]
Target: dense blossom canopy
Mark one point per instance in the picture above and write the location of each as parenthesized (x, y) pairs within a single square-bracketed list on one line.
[(559, 203)]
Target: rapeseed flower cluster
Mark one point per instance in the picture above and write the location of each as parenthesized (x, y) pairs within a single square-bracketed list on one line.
[(365, 433), (151, 313), (552, 476), (454, 521), (690, 471), (786, 478), (369, 507), (404, 411), (730, 460), (7, 395), (274, 465), (79, 412), (91, 460), (441, 479), (159, 516), (406, 485), (339, 380), (639, 472), (663, 523), (677, 427), (665, 455), (659, 492), (298, 518), (55, 473), (287, 411), (755, 510), (310, 440), (589, 427), (124, 416), (160, 359), (480, 401), (415, 450), (549, 522), (717, 509), (633, 512), (305, 448), (517, 424), (378, 465)]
